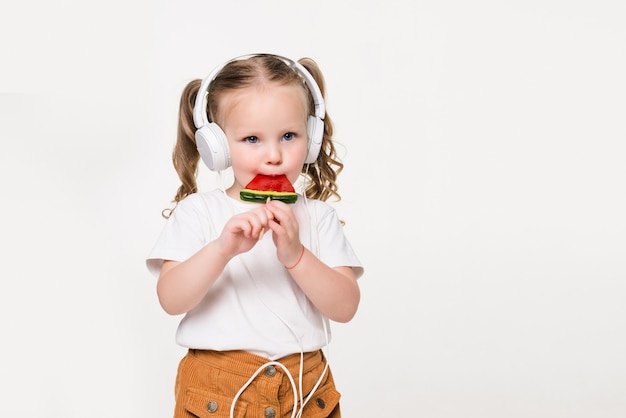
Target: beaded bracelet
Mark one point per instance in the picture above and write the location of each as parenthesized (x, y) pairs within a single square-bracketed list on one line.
[(297, 262)]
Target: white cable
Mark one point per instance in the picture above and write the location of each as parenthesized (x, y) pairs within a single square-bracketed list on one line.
[(220, 183), (297, 411), (255, 374), (287, 372)]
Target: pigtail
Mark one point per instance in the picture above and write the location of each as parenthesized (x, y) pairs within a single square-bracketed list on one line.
[(324, 172), (185, 155)]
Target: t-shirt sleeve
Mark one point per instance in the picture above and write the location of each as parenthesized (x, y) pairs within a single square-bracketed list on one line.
[(334, 248), (182, 235)]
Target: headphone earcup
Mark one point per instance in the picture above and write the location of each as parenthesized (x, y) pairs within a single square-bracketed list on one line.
[(315, 130), (213, 147)]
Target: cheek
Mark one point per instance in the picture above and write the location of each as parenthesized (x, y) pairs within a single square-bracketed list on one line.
[(238, 153), (241, 161), (302, 152)]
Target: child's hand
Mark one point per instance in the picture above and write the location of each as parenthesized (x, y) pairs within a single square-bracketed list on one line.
[(285, 231), (243, 231)]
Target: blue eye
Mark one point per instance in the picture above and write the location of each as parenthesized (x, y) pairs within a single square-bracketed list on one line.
[(289, 136), (251, 139)]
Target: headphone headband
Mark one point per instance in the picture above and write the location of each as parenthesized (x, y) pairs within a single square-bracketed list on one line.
[(199, 111)]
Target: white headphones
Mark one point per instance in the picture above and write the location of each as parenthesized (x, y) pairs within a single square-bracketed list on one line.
[(211, 140)]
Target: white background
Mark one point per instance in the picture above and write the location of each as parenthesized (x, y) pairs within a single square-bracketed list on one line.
[(484, 191)]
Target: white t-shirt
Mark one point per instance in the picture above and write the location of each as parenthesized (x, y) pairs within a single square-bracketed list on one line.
[(254, 305)]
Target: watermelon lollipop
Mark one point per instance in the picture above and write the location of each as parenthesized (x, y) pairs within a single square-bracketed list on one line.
[(263, 187)]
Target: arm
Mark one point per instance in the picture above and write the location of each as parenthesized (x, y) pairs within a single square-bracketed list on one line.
[(182, 285), (334, 291)]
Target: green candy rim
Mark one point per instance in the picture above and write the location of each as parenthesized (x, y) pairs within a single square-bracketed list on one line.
[(256, 196)]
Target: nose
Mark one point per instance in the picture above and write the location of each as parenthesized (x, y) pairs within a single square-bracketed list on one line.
[(274, 154)]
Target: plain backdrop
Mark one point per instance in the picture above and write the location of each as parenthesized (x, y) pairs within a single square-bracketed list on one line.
[(484, 190)]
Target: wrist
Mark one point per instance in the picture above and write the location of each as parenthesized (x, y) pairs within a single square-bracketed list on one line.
[(297, 261)]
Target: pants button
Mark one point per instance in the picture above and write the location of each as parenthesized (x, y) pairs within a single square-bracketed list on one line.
[(270, 371), (320, 403), (211, 406)]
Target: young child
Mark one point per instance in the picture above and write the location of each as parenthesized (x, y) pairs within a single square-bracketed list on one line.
[(256, 282)]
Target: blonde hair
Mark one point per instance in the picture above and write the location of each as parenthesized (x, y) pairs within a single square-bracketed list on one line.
[(240, 74)]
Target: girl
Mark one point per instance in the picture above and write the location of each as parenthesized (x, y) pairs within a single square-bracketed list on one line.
[(256, 282)]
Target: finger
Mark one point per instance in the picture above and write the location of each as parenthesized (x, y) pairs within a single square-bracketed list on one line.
[(281, 212), (259, 222)]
